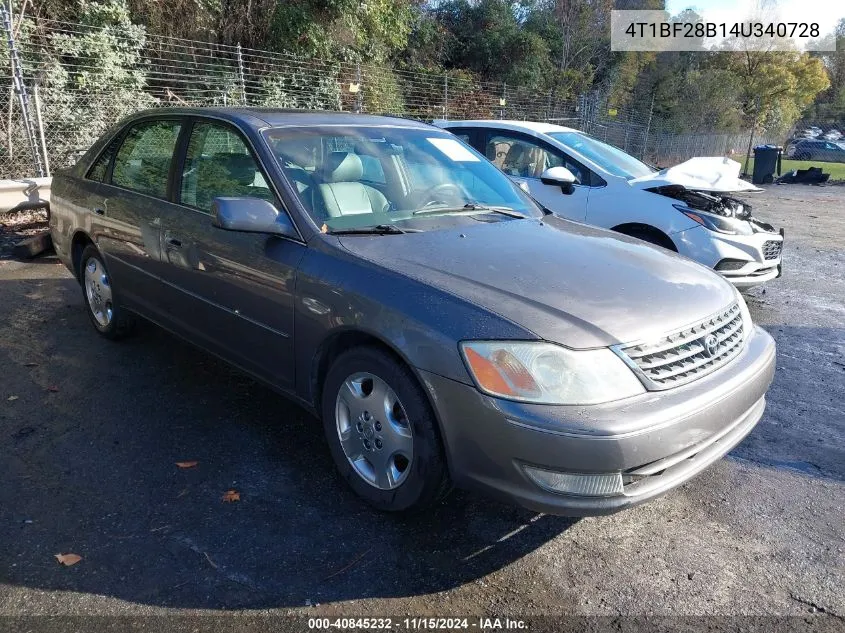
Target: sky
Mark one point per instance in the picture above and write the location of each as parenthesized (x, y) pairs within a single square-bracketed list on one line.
[(826, 13)]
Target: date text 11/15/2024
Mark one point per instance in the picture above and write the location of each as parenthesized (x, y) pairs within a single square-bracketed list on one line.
[(421, 623)]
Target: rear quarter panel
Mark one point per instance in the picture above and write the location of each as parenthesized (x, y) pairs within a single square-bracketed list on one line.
[(70, 204)]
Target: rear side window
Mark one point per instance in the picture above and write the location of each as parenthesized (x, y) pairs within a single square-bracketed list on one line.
[(143, 161), (373, 171), (100, 169)]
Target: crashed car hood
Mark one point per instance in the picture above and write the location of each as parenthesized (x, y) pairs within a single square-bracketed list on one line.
[(566, 282), (717, 175)]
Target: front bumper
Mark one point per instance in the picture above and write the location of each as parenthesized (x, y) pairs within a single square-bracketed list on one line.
[(747, 252), (657, 441)]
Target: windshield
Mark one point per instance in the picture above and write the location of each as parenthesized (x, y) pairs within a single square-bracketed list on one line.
[(417, 179), (612, 159)]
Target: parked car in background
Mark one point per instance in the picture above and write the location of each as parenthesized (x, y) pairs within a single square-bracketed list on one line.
[(812, 132), (396, 284), (819, 150), (833, 135), (689, 208)]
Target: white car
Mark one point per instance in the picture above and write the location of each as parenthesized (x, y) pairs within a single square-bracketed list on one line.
[(684, 208)]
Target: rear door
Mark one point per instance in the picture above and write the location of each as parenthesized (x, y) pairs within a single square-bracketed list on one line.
[(126, 208), (231, 292)]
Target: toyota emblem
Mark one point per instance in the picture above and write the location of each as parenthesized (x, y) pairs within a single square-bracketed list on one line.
[(711, 344)]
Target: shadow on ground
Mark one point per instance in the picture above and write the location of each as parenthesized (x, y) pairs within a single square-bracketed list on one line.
[(89, 443)]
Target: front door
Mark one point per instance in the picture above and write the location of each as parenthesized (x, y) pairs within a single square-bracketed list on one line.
[(524, 159), (231, 291)]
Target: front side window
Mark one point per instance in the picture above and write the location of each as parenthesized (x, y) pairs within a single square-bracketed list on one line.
[(517, 156), (358, 176), (143, 161), (219, 163)]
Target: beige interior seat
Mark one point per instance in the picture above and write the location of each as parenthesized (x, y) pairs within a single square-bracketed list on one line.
[(341, 190)]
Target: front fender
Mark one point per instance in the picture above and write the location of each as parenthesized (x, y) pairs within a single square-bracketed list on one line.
[(339, 292)]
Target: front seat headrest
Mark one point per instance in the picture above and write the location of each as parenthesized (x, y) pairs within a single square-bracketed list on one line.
[(343, 167)]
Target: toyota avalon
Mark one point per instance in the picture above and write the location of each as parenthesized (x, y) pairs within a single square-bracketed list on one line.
[(442, 326)]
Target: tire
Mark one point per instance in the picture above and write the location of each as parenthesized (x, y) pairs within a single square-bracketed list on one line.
[(652, 237), (373, 400), (106, 315)]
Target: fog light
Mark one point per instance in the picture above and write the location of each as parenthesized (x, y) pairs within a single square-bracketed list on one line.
[(604, 485)]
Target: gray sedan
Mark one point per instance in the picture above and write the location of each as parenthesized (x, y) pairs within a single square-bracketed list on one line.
[(444, 327)]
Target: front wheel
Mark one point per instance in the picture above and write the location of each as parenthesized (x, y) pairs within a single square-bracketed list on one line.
[(109, 318), (382, 432)]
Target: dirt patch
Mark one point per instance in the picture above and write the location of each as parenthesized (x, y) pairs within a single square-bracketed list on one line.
[(19, 225)]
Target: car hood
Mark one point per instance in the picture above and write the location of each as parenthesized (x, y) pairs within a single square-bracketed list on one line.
[(717, 175), (566, 282)]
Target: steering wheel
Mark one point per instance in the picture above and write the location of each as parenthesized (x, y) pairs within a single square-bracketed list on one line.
[(444, 193)]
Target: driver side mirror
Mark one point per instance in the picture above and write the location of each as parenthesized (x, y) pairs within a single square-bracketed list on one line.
[(250, 215), (559, 176)]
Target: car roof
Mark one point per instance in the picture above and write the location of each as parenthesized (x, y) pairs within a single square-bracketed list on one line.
[(272, 117), (518, 126)]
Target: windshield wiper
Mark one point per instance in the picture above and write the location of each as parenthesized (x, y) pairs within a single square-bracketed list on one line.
[(378, 229), (469, 209)]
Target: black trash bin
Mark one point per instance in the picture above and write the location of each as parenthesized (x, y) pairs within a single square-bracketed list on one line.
[(767, 160)]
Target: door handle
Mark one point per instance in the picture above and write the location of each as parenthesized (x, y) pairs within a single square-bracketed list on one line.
[(174, 242), (99, 211)]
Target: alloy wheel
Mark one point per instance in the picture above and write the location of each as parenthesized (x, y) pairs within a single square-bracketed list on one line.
[(98, 291), (374, 431)]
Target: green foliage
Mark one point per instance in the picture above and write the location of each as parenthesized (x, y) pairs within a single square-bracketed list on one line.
[(90, 78), (300, 89), (346, 30)]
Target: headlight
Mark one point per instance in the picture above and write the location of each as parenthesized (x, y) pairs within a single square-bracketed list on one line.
[(747, 323), (717, 223), (550, 374)]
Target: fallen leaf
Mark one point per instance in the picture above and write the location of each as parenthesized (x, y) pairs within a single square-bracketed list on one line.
[(68, 559), (53, 388), (324, 229), (232, 495), (187, 464), (10, 398)]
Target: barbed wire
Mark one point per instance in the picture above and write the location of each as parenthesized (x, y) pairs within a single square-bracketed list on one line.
[(83, 91)]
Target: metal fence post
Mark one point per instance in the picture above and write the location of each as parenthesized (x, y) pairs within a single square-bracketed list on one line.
[(648, 126), (20, 89), (359, 96), (446, 97), (241, 74), (40, 124)]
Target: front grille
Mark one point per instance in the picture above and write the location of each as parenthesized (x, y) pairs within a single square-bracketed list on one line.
[(771, 249), (687, 354)]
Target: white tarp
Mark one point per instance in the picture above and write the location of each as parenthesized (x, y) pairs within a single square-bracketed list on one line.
[(716, 174)]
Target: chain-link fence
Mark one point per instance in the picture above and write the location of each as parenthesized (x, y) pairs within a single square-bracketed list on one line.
[(88, 78)]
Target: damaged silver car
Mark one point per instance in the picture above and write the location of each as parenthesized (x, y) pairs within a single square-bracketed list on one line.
[(690, 208)]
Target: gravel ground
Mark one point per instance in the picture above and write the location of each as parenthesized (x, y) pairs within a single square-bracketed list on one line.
[(90, 432)]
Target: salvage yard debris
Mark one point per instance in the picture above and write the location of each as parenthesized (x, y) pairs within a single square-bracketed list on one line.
[(811, 176)]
